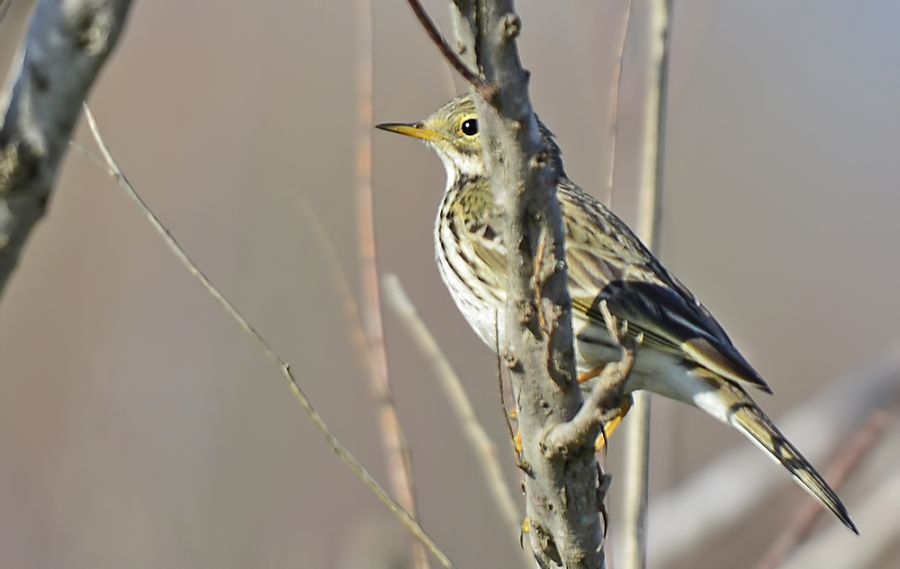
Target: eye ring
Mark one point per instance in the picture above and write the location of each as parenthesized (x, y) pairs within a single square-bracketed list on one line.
[(469, 127)]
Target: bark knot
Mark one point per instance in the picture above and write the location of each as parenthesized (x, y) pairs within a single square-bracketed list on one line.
[(511, 26)]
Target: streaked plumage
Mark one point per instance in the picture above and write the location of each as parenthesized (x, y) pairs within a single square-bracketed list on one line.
[(685, 355)]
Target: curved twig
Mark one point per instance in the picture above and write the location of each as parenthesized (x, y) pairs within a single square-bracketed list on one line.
[(486, 89), (336, 446)]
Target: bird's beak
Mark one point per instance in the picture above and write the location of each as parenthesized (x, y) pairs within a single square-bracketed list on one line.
[(413, 129)]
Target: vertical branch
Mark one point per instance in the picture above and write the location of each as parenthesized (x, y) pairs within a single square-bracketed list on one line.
[(393, 439), (614, 106), (637, 459), (563, 493)]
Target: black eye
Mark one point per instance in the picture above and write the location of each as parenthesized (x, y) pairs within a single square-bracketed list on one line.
[(469, 127)]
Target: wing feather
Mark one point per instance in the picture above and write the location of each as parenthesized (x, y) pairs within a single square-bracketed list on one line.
[(639, 290)]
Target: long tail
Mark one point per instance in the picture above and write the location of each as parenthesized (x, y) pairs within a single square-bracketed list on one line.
[(748, 418)]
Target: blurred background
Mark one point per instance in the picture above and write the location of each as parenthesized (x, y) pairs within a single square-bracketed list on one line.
[(139, 427)]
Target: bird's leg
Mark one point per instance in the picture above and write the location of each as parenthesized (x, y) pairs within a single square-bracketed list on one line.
[(590, 374), (610, 426)]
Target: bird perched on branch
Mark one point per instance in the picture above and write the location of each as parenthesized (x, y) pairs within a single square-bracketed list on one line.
[(685, 353)]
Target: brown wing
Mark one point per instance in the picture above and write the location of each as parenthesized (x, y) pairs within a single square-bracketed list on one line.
[(607, 262)]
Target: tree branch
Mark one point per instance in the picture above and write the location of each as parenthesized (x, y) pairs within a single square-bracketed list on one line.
[(606, 395), (486, 90), (66, 45), (563, 491), (637, 454)]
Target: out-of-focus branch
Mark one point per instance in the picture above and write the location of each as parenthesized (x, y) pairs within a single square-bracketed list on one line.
[(393, 439), (563, 490), (849, 456), (683, 518), (614, 106), (459, 401), (637, 454), (66, 45), (352, 316), (4, 8), (835, 547), (333, 442)]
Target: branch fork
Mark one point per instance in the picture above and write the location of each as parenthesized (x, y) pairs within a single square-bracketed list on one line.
[(605, 399)]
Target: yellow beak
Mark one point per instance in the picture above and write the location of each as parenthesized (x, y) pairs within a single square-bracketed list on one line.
[(413, 129)]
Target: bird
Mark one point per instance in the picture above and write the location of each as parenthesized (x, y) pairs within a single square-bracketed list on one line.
[(685, 354)]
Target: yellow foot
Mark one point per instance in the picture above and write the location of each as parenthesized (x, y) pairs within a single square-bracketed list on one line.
[(610, 426)]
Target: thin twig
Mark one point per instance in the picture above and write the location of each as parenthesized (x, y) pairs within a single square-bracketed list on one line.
[(614, 106), (392, 437), (637, 458), (459, 400), (487, 90), (849, 457), (336, 446)]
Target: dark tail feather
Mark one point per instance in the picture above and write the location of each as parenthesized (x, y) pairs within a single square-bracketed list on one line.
[(747, 417)]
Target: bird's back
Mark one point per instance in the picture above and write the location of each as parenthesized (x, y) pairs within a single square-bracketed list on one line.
[(606, 262)]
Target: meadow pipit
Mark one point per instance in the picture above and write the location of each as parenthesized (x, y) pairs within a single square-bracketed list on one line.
[(685, 354)]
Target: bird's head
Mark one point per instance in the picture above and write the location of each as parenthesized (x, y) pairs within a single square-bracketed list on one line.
[(452, 131)]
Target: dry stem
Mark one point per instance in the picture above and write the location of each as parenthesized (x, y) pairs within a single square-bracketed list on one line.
[(393, 439), (637, 458), (333, 442), (486, 90), (614, 105)]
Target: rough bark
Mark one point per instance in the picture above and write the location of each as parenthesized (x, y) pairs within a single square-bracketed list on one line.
[(563, 489), (67, 43)]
